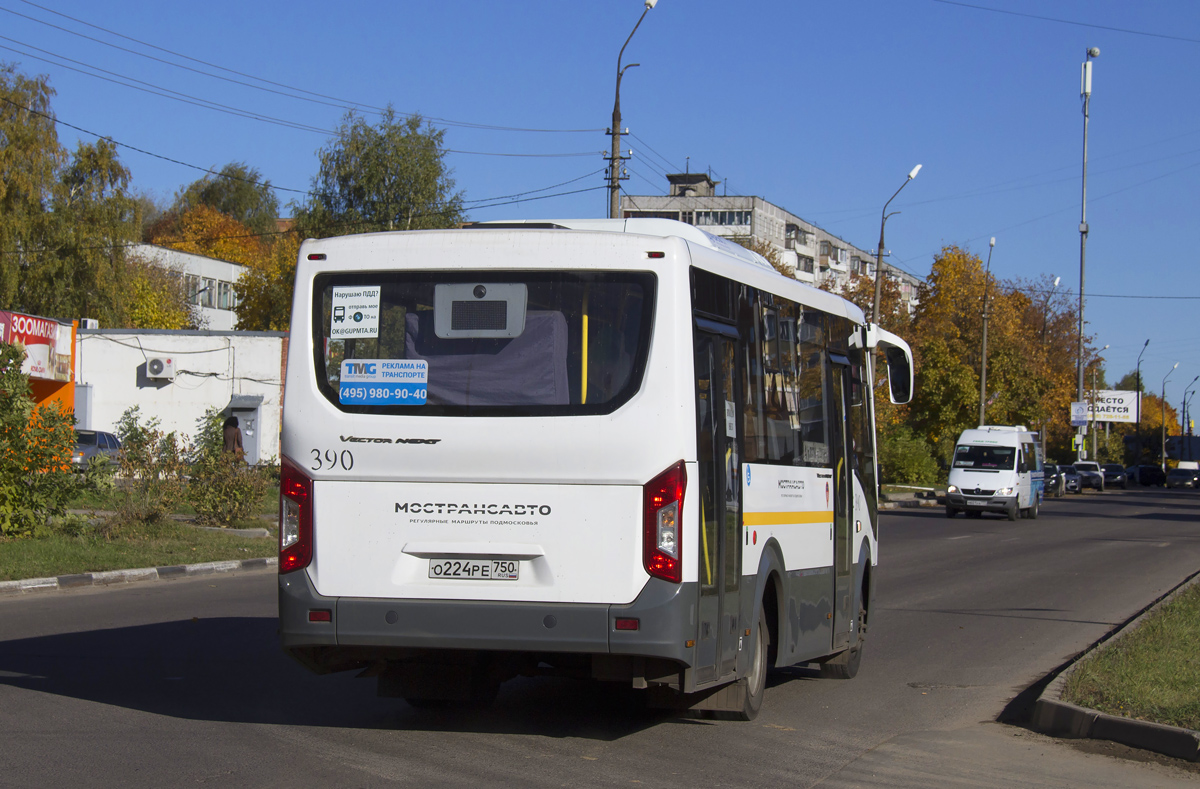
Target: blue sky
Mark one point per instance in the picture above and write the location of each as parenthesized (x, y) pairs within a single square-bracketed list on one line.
[(822, 108)]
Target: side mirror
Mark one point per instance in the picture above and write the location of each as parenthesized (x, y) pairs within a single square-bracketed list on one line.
[(899, 375)]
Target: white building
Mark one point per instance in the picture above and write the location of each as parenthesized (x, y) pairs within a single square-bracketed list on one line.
[(814, 255), (211, 283), (175, 376)]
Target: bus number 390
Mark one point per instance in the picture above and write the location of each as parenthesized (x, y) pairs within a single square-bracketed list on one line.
[(332, 459)]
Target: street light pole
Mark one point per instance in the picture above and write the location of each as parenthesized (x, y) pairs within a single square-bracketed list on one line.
[(1163, 402), (879, 251), (1085, 91), (1138, 429), (1095, 440), (983, 364), (614, 163)]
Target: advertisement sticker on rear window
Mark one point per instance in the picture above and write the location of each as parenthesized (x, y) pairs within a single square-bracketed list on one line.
[(384, 382), (355, 313)]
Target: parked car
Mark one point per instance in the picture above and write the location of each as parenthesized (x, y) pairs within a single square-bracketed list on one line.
[(1090, 474), (1145, 475), (1071, 481), (1055, 482), (1183, 478), (89, 443), (1114, 475)]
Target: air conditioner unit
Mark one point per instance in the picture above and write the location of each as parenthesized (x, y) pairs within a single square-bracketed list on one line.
[(161, 368), (89, 323)]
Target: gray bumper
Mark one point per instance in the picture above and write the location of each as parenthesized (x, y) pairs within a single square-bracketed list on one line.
[(980, 503), (666, 614)]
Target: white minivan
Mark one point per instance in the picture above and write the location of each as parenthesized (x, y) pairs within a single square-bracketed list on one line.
[(996, 468)]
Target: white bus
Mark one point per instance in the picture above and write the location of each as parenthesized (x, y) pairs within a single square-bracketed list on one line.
[(624, 450)]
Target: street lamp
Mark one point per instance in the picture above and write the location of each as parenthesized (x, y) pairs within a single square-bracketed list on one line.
[(1138, 428), (983, 364), (879, 252), (614, 165), (1163, 402), (1095, 443), (1085, 92)]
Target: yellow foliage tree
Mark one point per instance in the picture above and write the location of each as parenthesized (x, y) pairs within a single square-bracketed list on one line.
[(202, 230), (265, 290)]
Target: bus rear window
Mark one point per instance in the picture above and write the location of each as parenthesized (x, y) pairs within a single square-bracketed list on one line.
[(482, 342)]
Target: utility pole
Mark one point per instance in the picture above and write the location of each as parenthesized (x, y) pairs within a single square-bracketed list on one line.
[(614, 162), (1085, 91), (983, 354)]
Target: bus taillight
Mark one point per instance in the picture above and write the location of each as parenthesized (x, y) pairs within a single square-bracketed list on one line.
[(295, 519), (662, 510)]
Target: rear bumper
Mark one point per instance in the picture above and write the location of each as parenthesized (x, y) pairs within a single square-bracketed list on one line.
[(368, 627)]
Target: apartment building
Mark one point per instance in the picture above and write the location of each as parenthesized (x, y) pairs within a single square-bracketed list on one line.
[(813, 255)]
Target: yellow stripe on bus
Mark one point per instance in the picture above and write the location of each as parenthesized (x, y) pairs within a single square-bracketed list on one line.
[(784, 518)]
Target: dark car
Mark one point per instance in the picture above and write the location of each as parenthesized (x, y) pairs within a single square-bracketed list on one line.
[(1114, 475), (1183, 478), (1055, 482), (90, 443), (1090, 475), (1146, 475), (1071, 481)]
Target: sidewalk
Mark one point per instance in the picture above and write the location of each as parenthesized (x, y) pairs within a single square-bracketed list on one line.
[(113, 577)]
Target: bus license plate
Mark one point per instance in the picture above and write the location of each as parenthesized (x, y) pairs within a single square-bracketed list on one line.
[(475, 569)]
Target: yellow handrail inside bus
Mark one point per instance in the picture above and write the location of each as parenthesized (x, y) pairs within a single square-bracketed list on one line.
[(704, 540), (584, 355)]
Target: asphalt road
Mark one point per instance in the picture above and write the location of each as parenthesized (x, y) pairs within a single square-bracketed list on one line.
[(182, 682)]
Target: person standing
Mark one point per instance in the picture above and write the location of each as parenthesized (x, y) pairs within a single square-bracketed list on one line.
[(233, 438)]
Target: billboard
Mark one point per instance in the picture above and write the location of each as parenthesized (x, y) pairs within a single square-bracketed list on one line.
[(1106, 405), (47, 344)]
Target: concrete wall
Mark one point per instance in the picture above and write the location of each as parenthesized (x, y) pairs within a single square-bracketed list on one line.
[(212, 369)]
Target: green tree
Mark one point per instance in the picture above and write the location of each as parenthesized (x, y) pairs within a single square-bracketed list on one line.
[(66, 221), (388, 176), (238, 191), (85, 270), (30, 159)]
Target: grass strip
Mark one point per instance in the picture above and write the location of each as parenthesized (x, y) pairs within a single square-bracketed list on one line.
[(128, 547), (1151, 673)]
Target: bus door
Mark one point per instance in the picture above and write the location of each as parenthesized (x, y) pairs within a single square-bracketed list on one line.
[(719, 418), (842, 458)]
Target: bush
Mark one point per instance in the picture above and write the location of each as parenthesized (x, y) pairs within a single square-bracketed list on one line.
[(905, 459), (224, 489), (36, 443), (155, 468)]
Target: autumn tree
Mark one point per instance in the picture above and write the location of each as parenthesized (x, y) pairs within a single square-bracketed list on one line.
[(387, 176), (204, 230), (238, 191), (1030, 373), (265, 289)]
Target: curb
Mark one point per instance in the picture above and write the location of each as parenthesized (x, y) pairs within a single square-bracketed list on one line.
[(114, 577), (1058, 718)]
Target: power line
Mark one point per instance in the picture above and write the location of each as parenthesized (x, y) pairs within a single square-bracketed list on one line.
[(1070, 22), (340, 102)]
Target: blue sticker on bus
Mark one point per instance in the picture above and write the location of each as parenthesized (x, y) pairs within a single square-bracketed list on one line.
[(384, 382)]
